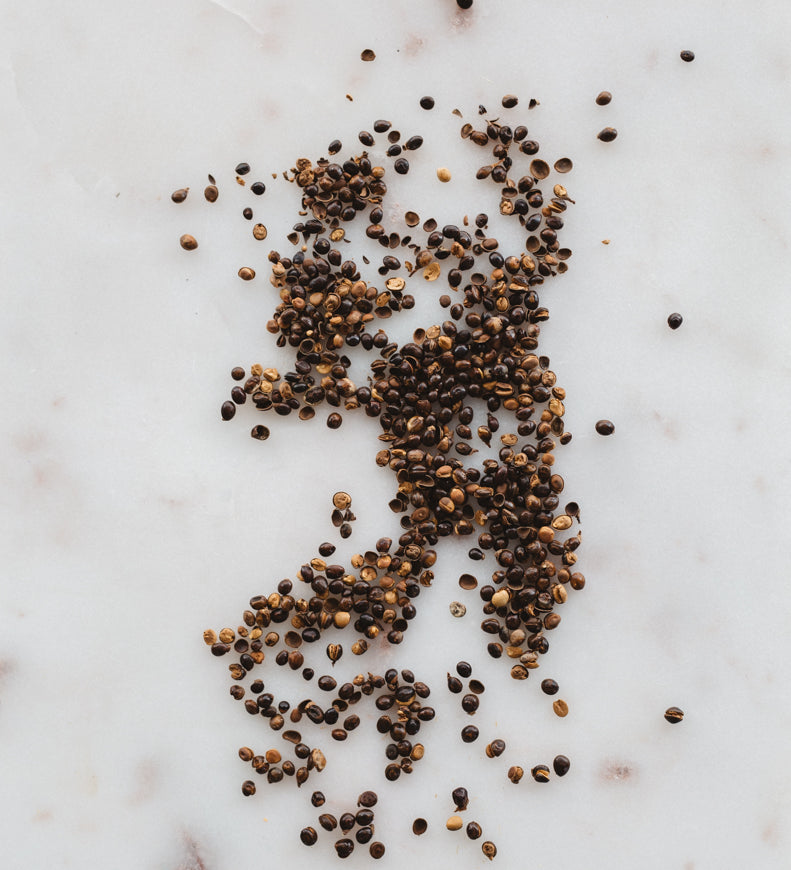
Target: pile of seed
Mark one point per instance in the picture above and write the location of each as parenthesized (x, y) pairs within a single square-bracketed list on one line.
[(476, 381)]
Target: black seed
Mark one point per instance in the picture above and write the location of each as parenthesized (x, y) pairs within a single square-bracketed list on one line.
[(605, 427), (687, 56), (674, 320), (258, 188), (242, 168), (561, 765), (427, 103)]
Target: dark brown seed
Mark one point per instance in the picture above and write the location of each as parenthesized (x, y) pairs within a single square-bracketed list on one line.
[(367, 799), (318, 799), (376, 849), (188, 242), (474, 830), (464, 4), (515, 773), (334, 421), (227, 410), (674, 715), (470, 703), (245, 753), (540, 773), (563, 165), (344, 847), (509, 101), (603, 98), (469, 734), (179, 195), (368, 55), (476, 687), (248, 788), (561, 765), (463, 669), (419, 826), (605, 427), (427, 103), (607, 134), (674, 320), (489, 849), (308, 836), (461, 798), (401, 166), (468, 582), (496, 748), (242, 168), (687, 56), (210, 193), (328, 821), (260, 433), (549, 687)]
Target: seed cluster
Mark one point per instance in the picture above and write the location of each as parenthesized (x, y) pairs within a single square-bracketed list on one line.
[(361, 819), (476, 382)]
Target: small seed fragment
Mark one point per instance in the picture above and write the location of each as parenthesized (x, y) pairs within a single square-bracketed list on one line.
[(674, 715), (457, 609)]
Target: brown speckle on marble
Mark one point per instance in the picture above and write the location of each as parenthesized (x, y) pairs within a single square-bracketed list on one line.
[(617, 771), (414, 45), (192, 859), (771, 833)]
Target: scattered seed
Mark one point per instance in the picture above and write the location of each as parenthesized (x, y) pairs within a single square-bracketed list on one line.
[(246, 273), (376, 849), (474, 830), (540, 773), (607, 134), (603, 98), (495, 749), (443, 174), (489, 849), (463, 669), (509, 101), (242, 168), (308, 836), (457, 609), (563, 165), (674, 715), (687, 56), (248, 788), (605, 427), (427, 103), (189, 243), (180, 195), (461, 798), (419, 826), (469, 734), (368, 55), (561, 708), (259, 232), (454, 823), (561, 765), (674, 320), (515, 773), (549, 687)]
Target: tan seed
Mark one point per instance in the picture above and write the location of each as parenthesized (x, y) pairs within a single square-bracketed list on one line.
[(341, 619), (431, 273), (259, 232), (342, 500), (457, 609), (561, 523), (515, 773), (563, 165), (443, 174), (227, 635), (501, 598), (561, 708), (209, 637), (246, 273), (454, 823), (188, 242)]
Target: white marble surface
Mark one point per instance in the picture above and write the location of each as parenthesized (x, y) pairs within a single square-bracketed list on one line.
[(133, 518)]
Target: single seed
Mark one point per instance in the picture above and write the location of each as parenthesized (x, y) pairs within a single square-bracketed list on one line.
[(469, 734), (427, 103), (457, 609), (258, 188), (248, 788), (188, 242), (209, 637), (470, 703), (474, 830), (367, 799), (674, 715), (368, 55), (561, 708), (247, 214), (539, 169), (259, 232), (376, 849), (549, 687), (603, 98), (334, 421), (344, 847), (454, 823), (308, 836), (674, 320), (419, 826), (260, 433), (461, 798), (334, 652), (179, 195), (605, 427), (489, 849), (496, 748), (401, 166), (464, 4), (561, 765), (509, 101), (246, 273), (463, 669), (210, 193), (563, 165), (687, 56), (515, 773), (607, 134), (328, 821), (245, 753), (540, 773), (242, 168), (443, 174), (342, 500)]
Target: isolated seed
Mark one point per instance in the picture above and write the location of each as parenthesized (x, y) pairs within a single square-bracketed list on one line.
[(607, 134), (246, 273), (561, 765), (189, 243), (454, 823), (368, 55), (344, 847), (259, 232), (540, 773), (334, 421), (496, 748), (603, 98), (376, 849), (549, 687), (419, 826), (474, 830), (509, 101), (457, 609), (461, 798), (489, 849), (427, 103), (210, 193), (308, 836), (674, 715), (687, 56), (248, 788), (464, 4), (469, 734), (605, 427), (561, 708), (515, 773), (260, 433), (443, 174), (563, 165), (209, 637), (180, 195), (674, 320)]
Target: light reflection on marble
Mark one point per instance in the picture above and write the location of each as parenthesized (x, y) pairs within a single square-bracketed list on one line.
[(133, 519)]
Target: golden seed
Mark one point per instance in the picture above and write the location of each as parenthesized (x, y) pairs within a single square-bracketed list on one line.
[(454, 823), (227, 635), (246, 273), (341, 619), (561, 708), (501, 598), (561, 523), (209, 637), (259, 232), (342, 500), (272, 756), (605, 241), (431, 272), (337, 234), (443, 174), (189, 243)]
